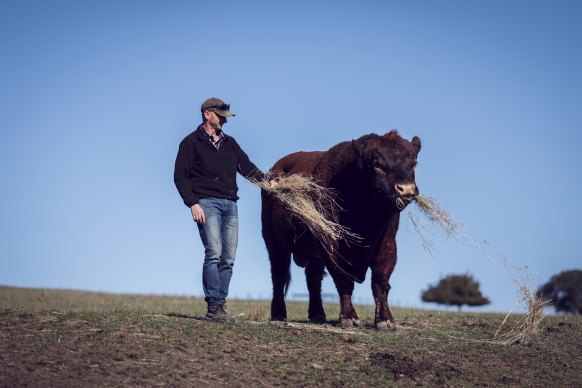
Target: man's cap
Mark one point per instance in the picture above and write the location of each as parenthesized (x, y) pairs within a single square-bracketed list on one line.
[(217, 106)]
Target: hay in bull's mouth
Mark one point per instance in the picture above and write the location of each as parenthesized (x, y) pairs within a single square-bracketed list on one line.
[(313, 205), (436, 215)]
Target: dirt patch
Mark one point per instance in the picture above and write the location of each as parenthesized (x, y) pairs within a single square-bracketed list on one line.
[(402, 366), (562, 326), (399, 366)]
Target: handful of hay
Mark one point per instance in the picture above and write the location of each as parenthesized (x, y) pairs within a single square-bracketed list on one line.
[(314, 205)]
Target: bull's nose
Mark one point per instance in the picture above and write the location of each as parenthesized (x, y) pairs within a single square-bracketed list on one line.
[(405, 189)]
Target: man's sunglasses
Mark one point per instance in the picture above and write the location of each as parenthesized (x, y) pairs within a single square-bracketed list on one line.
[(220, 107)]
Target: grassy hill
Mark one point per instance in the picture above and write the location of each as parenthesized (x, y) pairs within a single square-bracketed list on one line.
[(71, 338)]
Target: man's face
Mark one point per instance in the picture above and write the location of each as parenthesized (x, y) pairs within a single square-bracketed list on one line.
[(216, 121)]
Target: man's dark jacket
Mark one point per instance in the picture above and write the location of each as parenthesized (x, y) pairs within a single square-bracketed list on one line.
[(201, 170)]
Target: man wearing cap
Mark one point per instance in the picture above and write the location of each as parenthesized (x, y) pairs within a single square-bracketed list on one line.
[(205, 175)]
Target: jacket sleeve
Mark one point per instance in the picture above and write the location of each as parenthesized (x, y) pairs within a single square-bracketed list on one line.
[(184, 160), (244, 166)]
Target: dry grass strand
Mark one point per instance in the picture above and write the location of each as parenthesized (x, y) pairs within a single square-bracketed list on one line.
[(313, 205), (530, 324), (258, 314)]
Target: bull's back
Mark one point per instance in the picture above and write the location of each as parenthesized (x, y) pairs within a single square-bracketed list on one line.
[(302, 163)]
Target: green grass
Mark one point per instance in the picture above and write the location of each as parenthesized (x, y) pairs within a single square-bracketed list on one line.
[(51, 337)]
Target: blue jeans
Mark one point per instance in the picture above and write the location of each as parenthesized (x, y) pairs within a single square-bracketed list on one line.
[(219, 235)]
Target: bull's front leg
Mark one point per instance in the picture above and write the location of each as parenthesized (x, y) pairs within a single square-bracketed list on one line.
[(345, 287), (381, 270), (383, 319), (348, 316)]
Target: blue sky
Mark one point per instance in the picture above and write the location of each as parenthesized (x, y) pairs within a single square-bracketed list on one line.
[(96, 96)]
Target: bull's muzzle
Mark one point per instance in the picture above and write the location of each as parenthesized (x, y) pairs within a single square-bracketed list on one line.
[(405, 189)]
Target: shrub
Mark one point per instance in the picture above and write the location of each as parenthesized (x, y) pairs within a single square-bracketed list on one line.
[(565, 291), (455, 290)]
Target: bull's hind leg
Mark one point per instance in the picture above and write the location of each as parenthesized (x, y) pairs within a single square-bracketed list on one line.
[(279, 257), (281, 277), (314, 275)]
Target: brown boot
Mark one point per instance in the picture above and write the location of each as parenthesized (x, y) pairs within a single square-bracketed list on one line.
[(216, 313)]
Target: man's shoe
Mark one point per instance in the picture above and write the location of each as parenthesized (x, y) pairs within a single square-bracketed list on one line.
[(216, 313)]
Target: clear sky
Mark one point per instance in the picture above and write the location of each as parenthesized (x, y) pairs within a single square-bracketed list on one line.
[(95, 97)]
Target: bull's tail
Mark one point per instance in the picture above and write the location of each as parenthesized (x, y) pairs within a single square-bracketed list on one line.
[(280, 271), (287, 279)]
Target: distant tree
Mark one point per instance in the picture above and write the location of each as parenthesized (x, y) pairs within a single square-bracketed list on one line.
[(565, 291), (455, 290)]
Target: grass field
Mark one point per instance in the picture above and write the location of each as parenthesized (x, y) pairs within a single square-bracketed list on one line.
[(71, 338)]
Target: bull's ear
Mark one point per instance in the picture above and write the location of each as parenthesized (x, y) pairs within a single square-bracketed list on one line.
[(416, 143)]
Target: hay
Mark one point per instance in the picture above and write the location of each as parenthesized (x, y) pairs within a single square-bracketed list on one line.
[(433, 215), (313, 205), (529, 325), (436, 215)]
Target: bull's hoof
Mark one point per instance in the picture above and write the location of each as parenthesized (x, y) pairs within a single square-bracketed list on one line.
[(349, 323), (319, 318), (385, 326), (279, 318)]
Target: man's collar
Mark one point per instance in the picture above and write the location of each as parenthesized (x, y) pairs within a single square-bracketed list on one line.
[(202, 134)]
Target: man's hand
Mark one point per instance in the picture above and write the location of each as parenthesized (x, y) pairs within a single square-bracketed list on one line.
[(198, 214)]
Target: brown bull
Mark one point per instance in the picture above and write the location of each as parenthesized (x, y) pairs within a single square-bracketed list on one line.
[(367, 175)]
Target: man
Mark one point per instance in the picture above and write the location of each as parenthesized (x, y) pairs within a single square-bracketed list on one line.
[(205, 175)]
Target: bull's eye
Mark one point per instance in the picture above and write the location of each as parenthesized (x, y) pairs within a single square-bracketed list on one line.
[(379, 170)]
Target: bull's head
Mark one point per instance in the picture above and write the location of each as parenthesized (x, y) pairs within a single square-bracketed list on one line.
[(390, 162)]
